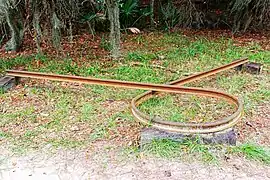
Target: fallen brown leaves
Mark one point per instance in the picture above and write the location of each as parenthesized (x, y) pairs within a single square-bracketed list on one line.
[(240, 39), (257, 127), (82, 47), (87, 47)]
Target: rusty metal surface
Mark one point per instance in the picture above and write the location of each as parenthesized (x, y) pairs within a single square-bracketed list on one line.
[(172, 87), (218, 125)]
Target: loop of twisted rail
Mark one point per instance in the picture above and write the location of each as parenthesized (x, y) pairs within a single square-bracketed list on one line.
[(172, 87)]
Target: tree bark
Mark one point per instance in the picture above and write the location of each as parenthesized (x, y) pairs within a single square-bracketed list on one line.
[(15, 22), (152, 21), (56, 27), (36, 24), (113, 12)]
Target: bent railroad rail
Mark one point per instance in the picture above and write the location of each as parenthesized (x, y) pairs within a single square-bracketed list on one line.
[(153, 89)]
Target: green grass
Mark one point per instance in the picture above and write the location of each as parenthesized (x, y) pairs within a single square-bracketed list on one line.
[(4, 135), (190, 149), (2, 91), (20, 116), (185, 150), (50, 111), (141, 74), (15, 62), (66, 143), (140, 57), (253, 152), (183, 108)]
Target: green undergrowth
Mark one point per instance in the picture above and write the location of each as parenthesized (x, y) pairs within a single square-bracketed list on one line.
[(62, 117), (184, 108), (190, 150), (19, 61)]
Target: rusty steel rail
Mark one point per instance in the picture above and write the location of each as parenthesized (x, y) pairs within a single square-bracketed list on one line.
[(207, 127), (173, 87)]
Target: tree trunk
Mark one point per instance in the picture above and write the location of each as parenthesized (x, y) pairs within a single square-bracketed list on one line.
[(15, 22), (56, 27), (113, 12), (36, 24), (152, 21)]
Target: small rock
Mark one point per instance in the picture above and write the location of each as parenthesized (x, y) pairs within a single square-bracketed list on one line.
[(237, 164), (47, 147), (168, 173), (227, 158), (44, 114), (110, 100), (249, 124), (236, 167), (134, 30), (130, 143), (75, 128), (161, 57)]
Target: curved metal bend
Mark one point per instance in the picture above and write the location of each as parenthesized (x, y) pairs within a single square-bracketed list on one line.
[(208, 127), (173, 87)]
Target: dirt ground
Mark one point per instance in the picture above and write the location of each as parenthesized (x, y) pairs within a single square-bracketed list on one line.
[(104, 164), (111, 164)]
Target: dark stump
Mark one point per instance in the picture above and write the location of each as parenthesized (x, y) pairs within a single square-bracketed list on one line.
[(7, 82), (225, 137)]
